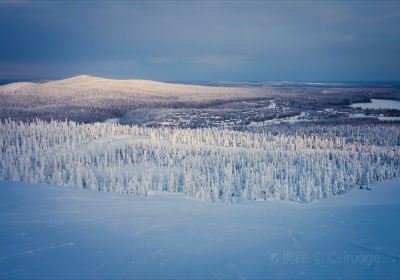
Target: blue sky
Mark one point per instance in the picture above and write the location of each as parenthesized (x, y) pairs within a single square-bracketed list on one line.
[(201, 41)]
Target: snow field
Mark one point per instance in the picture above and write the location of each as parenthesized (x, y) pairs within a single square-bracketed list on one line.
[(52, 232)]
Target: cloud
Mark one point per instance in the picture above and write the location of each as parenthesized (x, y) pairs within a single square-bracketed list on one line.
[(200, 59), (305, 40)]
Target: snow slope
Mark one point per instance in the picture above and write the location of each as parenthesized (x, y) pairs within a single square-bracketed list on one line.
[(51, 232), (96, 88)]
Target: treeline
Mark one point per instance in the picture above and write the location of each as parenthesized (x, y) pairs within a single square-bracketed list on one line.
[(208, 164), (375, 133)]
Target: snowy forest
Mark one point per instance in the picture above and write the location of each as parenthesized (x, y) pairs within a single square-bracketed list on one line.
[(207, 163)]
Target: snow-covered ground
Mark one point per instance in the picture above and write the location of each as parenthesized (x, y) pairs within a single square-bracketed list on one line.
[(112, 121), (52, 232)]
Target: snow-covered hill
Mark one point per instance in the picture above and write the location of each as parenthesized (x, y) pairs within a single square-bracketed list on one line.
[(52, 232), (89, 99), (96, 87), (93, 99)]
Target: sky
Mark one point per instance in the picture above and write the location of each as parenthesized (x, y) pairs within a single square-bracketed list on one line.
[(201, 40)]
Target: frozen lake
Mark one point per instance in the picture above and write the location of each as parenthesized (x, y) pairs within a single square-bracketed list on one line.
[(378, 104)]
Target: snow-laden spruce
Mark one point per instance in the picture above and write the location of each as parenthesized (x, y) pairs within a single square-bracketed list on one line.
[(208, 164)]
